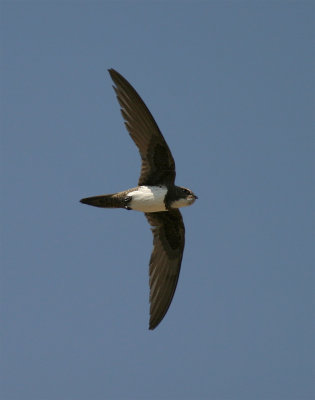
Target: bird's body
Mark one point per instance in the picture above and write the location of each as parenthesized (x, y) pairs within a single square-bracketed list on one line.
[(143, 198), (148, 198), (156, 195)]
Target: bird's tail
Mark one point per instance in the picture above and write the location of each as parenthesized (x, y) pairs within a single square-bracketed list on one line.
[(105, 201)]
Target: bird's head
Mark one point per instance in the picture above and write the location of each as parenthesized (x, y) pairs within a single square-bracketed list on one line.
[(183, 197)]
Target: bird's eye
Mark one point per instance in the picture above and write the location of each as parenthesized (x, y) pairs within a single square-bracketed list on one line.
[(185, 191)]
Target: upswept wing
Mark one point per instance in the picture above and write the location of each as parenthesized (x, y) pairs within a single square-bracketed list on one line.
[(168, 246), (158, 166)]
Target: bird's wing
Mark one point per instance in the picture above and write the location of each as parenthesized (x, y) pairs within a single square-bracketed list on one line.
[(168, 246), (158, 165)]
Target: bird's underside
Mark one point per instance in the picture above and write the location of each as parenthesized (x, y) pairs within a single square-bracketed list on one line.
[(156, 196)]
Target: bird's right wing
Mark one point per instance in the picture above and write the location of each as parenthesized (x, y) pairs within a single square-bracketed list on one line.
[(158, 166), (168, 246)]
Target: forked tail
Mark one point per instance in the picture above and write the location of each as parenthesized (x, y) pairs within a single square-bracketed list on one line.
[(104, 201)]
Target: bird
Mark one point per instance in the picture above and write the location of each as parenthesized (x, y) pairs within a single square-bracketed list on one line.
[(156, 196)]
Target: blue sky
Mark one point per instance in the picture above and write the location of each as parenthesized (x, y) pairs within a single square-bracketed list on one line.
[(231, 85)]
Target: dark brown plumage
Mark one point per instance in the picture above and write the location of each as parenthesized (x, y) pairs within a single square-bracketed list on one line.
[(168, 245), (157, 175), (158, 165)]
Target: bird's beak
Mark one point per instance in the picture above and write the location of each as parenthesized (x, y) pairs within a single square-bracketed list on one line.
[(192, 198)]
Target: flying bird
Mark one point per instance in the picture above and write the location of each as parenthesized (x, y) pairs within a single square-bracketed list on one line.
[(156, 195)]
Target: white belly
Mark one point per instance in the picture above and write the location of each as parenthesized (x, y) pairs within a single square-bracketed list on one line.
[(148, 199)]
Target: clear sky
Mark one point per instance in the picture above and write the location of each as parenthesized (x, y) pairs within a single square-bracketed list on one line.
[(231, 85)]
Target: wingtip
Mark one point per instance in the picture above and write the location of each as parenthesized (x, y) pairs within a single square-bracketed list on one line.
[(112, 71), (153, 325)]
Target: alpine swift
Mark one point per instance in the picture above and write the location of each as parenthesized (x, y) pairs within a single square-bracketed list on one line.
[(156, 195)]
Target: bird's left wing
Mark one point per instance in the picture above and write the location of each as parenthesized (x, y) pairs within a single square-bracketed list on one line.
[(168, 246)]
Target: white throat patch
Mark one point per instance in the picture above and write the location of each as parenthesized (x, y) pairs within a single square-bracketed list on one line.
[(148, 199), (180, 203)]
